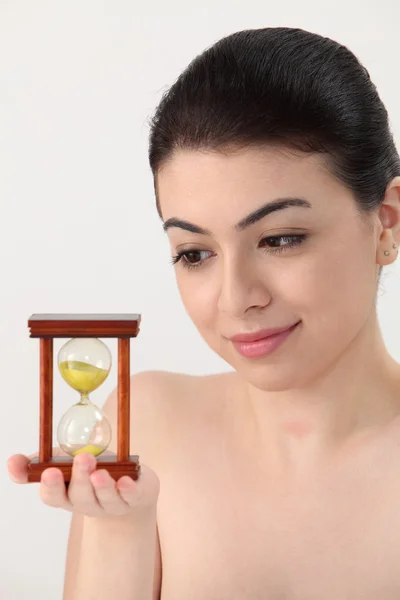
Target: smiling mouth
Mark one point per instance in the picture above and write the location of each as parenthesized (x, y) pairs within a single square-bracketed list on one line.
[(262, 334), (264, 346)]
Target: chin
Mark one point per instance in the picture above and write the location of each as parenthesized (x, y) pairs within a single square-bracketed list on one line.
[(267, 377), (267, 384)]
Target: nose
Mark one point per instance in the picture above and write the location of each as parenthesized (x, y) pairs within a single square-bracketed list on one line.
[(242, 287)]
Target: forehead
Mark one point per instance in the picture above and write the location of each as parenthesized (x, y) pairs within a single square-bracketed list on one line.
[(197, 184)]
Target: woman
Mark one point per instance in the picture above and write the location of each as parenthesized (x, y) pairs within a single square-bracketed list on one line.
[(278, 183)]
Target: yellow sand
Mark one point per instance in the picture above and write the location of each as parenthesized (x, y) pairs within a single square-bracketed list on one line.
[(95, 450), (82, 376)]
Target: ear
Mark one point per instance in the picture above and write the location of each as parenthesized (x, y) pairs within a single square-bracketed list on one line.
[(389, 211), (389, 216)]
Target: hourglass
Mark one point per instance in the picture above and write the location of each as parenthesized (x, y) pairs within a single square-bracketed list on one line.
[(84, 363)]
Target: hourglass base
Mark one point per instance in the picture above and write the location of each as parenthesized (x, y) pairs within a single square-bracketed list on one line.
[(116, 468)]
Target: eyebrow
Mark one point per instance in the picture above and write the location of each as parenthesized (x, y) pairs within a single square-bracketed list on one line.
[(257, 215)]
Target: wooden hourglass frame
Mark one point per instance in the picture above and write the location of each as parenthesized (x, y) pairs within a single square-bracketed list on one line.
[(50, 326)]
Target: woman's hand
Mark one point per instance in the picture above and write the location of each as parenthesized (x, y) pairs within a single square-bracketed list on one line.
[(91, 491)]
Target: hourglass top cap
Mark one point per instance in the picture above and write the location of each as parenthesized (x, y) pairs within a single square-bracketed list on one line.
[(61, 325)]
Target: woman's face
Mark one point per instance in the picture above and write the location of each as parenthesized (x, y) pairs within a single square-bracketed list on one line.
[(314, 263)]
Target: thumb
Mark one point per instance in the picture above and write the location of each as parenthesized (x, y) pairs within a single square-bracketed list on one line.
[(17, 466)]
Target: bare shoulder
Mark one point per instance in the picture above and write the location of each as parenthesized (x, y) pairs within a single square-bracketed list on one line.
[(167, 399), (165, 386), (162, 404)]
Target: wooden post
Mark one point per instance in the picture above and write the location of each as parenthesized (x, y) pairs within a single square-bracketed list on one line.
[(123, 399), (46, 399)]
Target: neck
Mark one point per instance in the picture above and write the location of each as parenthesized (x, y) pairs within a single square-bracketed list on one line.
[(356, 396)]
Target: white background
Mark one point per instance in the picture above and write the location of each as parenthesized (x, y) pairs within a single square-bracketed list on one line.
[(79, 231)]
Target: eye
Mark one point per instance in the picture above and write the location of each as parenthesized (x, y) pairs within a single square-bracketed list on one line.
[(294, 240), (192, 259)]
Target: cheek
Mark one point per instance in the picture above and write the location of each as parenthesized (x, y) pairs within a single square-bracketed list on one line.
[(197, 293), (334, 295)]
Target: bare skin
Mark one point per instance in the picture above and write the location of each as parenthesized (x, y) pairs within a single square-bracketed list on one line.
[(231, 526), (233, 523), (280, 480), (284, 475)]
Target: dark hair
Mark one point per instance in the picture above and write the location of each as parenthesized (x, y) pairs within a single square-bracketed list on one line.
[(281, 86)]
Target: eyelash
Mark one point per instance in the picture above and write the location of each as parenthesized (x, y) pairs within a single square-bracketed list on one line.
[(187, 265)]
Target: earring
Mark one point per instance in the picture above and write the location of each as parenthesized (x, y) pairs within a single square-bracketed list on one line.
[(386, 252)]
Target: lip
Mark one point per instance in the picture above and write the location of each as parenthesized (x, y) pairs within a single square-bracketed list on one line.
[(261, 334), (262, 347)]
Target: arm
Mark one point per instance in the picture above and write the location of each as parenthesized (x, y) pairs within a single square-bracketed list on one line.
[(112, 553), (77, 549), (116, 560)]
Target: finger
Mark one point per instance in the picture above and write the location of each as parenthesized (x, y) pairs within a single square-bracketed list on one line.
[(127, 489), (143, 492), (107, 493), (80, 492), (17, 466), (52, 489)]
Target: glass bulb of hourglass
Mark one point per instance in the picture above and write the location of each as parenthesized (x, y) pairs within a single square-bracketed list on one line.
[(84, 363), (84, 428)]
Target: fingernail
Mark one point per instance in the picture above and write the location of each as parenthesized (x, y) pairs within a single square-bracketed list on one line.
[(101, 480), (82, 466), (46, 479), (83, 463), (126, 483)]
